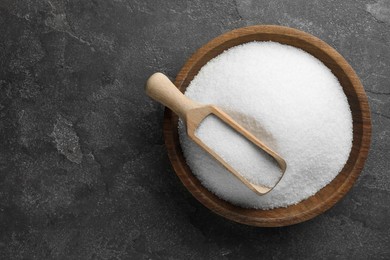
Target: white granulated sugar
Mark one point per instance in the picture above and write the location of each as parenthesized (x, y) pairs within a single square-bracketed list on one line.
[(245, 157), (286, 98)]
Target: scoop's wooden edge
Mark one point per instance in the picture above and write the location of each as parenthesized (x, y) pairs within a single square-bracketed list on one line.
[(280, 216), (258, 189), (194, 118), (248, 135)]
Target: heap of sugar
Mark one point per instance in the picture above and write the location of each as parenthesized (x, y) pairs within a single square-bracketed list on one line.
[(286, 98)]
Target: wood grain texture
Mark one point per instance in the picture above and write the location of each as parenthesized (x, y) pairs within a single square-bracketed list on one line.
[(331, 193), (161, 89)]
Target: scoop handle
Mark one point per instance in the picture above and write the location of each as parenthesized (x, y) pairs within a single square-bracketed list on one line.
[(161, 89)]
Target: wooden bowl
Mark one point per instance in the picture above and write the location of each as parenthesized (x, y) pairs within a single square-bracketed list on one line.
[(327, 196)]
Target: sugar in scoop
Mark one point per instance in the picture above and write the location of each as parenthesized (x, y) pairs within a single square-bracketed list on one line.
[(246, 158)]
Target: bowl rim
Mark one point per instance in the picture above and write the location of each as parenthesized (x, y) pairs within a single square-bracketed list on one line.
[(258, 217)]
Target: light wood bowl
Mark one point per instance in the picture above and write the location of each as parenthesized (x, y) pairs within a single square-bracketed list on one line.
[(327, 196)]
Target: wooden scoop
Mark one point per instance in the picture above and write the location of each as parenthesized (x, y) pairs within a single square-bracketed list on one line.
[(161, 89)]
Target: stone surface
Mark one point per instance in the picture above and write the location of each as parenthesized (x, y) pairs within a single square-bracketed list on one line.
[(83, 169)]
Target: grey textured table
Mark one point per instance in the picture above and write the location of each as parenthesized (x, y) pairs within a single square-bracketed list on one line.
[(83, 169)]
